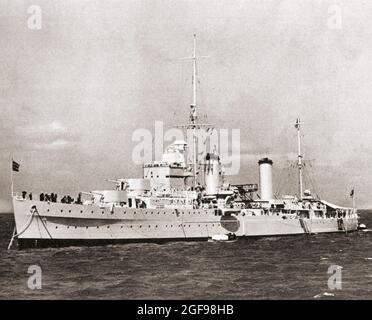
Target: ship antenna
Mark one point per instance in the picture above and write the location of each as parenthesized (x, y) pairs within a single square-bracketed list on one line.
[(299, 163)]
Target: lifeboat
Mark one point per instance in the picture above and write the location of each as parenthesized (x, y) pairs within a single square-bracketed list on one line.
[(224, 237)]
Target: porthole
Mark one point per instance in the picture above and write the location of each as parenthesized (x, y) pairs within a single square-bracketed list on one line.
[(69, 211), (56, 227), (81, 211), (108, 227), (140, 226), (75, 227), (97, 227), (61, 210), (92, 211)]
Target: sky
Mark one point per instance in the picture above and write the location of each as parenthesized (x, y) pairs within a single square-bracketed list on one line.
[(73, 92)]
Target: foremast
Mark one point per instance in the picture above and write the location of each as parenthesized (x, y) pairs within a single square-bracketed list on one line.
[(193, 124)]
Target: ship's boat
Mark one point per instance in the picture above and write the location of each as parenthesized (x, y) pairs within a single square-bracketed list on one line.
[(172, 201), (229, 237)]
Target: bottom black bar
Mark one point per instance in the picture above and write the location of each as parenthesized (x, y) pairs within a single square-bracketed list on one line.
[(185, 309)]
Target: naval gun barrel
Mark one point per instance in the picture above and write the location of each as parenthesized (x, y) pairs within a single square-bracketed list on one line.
[(91, 193), (113, 180), (122, 184), (116, 180)]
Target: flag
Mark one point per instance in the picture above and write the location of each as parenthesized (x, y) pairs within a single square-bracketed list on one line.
[(297, 125), (15, 166), (352, 193)]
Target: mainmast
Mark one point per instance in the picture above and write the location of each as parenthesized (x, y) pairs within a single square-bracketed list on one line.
[(194, 82), (299, 163), (193, 116)]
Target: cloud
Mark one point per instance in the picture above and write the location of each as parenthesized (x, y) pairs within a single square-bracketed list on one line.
[(252, 158), (54, 127), (45, 136), (54, 145), (34, 130)]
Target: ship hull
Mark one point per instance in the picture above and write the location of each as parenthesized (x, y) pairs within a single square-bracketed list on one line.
[(43, 224)]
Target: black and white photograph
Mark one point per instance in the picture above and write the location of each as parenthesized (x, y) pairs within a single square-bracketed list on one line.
[(188, 150)]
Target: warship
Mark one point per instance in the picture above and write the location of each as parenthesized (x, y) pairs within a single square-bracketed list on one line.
[(173, 202)]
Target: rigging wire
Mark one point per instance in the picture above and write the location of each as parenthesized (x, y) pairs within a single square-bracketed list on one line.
[(316, 185)]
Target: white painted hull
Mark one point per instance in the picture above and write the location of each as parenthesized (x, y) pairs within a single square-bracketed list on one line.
[(64, 224)]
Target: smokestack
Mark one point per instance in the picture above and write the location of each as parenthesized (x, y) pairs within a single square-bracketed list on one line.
[(212, 173), (266, 179)]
